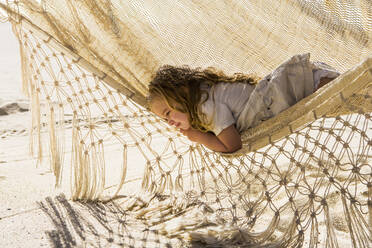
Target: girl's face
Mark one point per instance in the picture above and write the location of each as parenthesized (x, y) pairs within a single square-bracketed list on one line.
[(172, 116)]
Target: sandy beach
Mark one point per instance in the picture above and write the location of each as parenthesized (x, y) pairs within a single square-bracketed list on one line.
[(22, 182)]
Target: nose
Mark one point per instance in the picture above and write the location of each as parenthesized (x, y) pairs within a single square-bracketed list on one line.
[(171, 122)]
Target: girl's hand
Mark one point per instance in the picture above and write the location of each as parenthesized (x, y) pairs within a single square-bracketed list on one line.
[(227, 141), (192, 134)]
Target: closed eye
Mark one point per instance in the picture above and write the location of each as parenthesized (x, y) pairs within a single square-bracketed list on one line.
[(166, 113)]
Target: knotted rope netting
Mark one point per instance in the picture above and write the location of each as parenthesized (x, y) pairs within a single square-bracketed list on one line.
[(302, 178)]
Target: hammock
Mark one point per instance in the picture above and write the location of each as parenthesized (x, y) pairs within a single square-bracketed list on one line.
[(302, 178)]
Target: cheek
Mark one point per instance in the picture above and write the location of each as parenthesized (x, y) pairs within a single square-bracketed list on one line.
[(178, 117), (181, 117), (185, 118)]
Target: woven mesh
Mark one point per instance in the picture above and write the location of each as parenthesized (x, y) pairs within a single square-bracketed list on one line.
[(302, 178)]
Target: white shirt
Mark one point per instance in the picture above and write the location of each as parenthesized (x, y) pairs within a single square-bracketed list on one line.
[(225, 103)]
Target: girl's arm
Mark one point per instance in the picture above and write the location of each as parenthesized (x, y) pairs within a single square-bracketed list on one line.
[(227, 141)]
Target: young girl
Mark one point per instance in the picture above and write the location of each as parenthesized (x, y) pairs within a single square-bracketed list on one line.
[(212, 109)]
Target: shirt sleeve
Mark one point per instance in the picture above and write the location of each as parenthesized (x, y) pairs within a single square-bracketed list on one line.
[(221, 118)]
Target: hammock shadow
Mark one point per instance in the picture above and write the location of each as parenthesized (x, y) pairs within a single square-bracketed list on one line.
[(96, 224)]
